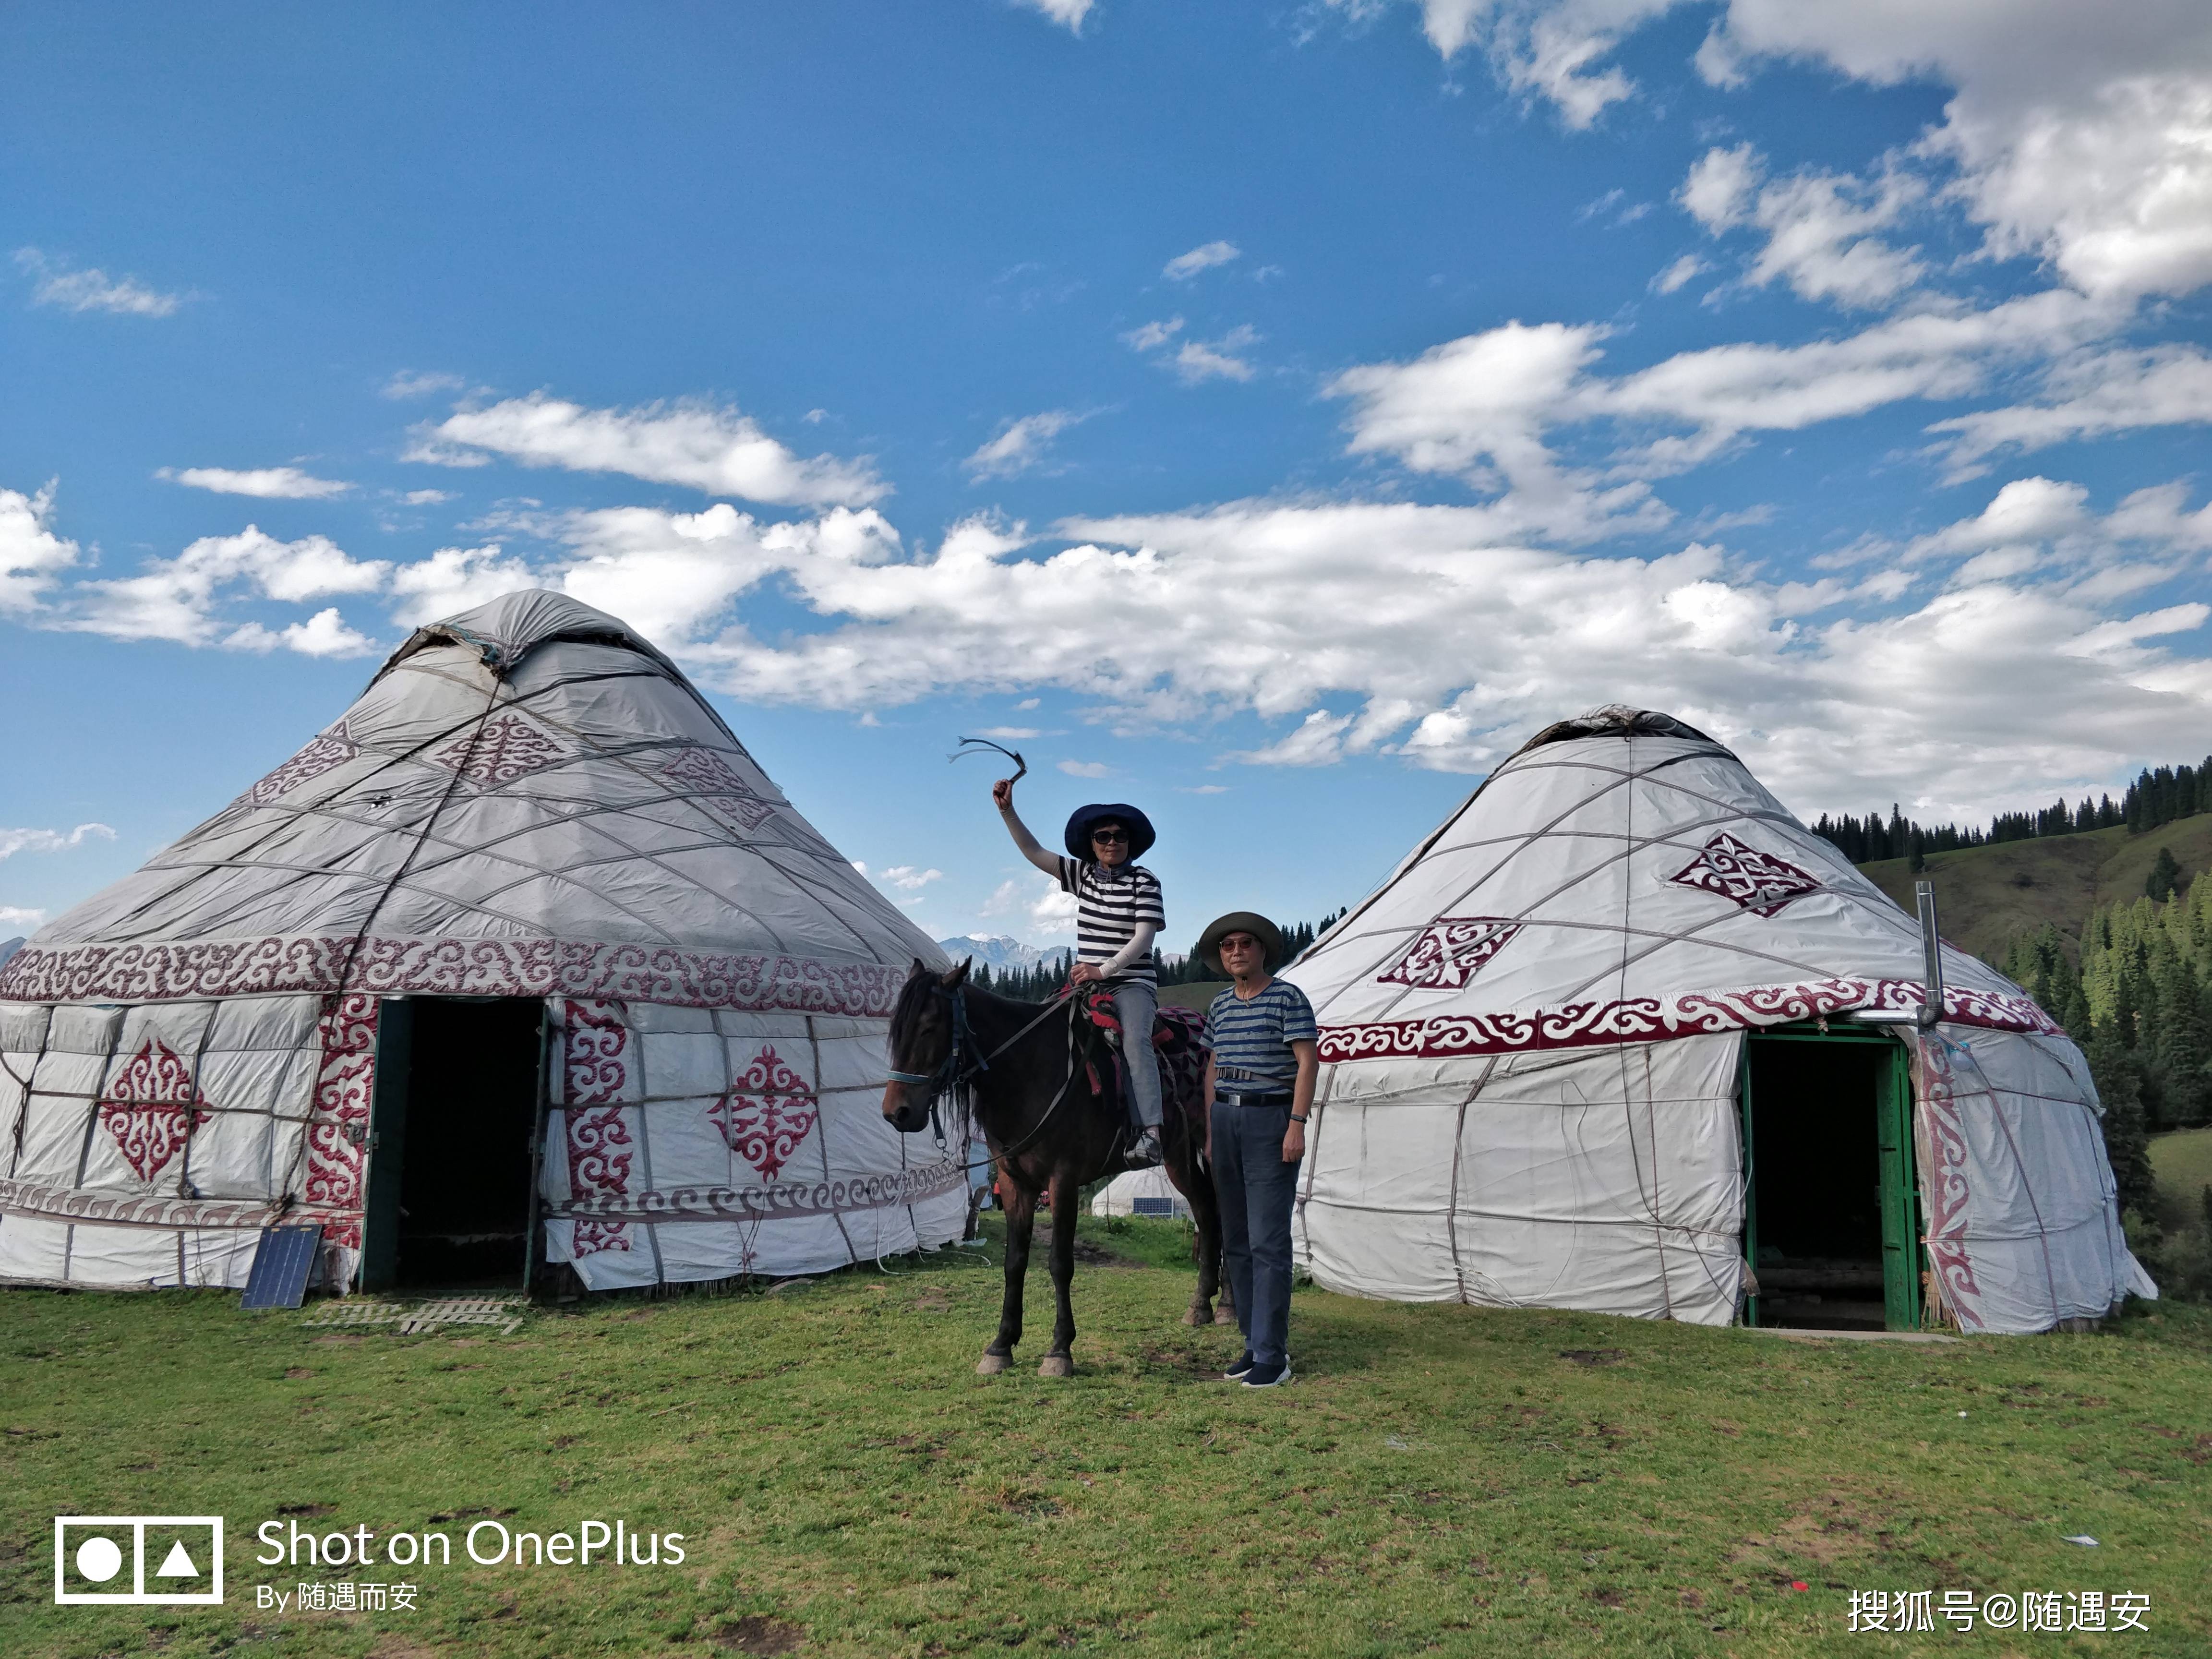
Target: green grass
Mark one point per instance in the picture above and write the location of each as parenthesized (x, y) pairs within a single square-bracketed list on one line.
[(2182, 1161), (1438, 1479), (1988, 896)]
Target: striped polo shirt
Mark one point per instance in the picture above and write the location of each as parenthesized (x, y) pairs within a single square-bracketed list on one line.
[(1109, 905), (1251, 1041)]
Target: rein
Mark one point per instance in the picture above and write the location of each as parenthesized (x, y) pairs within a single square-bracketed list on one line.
[(952, 1076)]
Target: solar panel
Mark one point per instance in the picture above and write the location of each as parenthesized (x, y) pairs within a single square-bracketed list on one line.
[(1153, 1205), (281, 1266)]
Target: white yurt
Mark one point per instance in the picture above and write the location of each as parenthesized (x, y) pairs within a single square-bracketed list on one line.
[(522, 960), (1119, 1196), (1591, 1046)]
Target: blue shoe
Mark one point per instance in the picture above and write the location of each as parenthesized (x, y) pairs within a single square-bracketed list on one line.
[(1235, 1372), (1267, 1377)]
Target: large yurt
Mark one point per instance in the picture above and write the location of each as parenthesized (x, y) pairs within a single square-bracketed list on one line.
[(1598, 1043), (523, 961)]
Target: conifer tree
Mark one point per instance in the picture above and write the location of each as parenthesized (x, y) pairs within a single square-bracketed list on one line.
[(2164, 877), (2127, 1143)]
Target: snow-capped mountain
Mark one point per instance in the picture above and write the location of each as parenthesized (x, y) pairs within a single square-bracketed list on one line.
[(999, 952)]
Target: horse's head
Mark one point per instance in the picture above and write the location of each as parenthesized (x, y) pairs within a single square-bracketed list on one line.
[(925, 1035)]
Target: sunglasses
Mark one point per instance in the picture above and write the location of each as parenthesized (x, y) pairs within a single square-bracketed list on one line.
[(1110, 836)]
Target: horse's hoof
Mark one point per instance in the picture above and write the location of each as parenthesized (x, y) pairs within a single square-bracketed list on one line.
[(991, 1363), (1198, 1316), (1225, 1317), (1056, 1364)]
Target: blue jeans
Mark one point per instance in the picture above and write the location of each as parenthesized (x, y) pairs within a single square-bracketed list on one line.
[(1136, 1004), (1257, 1188)]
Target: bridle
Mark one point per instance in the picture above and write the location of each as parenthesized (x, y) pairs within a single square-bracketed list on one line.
[(955, 1073)]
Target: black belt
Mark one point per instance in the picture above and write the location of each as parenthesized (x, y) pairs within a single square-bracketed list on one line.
[(1278, 1098)]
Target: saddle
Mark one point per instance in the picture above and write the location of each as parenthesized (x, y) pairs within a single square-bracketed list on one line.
[(1179, 1048)]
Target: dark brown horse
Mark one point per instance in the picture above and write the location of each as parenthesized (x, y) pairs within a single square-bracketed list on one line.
[(1030, 1070)]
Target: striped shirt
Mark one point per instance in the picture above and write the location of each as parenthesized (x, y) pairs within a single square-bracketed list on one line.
[(1109, 905), (1252, 1039)]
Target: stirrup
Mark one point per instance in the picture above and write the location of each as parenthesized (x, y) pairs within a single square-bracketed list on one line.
[(1145, 1152)]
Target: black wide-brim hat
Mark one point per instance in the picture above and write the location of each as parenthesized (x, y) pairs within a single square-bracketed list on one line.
[(1085, 819), (1240, 921)]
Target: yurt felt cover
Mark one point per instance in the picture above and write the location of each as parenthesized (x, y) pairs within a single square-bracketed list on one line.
[(1530, 1035), (528, 800)]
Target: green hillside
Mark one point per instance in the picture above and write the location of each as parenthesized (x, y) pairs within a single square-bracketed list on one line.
[(1986, 897)]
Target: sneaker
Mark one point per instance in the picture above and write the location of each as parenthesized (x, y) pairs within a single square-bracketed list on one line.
[(1267, 1377), (1235, 1372), (1144, 1152)]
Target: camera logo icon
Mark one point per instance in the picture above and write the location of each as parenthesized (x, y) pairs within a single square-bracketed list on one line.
[(141, 1559)]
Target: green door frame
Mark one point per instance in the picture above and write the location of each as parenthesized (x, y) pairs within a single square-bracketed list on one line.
[(387, 1143), (1901, 1242)]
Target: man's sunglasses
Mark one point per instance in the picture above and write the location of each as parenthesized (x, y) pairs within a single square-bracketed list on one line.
[(1110, 836)]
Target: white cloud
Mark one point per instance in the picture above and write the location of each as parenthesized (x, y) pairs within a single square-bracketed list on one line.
[(1199, 360), (55, 284), (323, 634), (1076, 769), (1184, 266), (454, 579), (1010, 733), (14, 915), (2082, 135), (1069, 14), (1684, 270), (2091, 395), (31, 555), (1819, 227), (1421, 631), (426, 497), (13, 842), (176, 599), (1020, 444), (412, 383), (287, 483), (1482, 407), (700, 444)]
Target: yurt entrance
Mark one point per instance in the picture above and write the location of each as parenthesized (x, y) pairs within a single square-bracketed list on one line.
[(459, 1081), (1831, 1209)]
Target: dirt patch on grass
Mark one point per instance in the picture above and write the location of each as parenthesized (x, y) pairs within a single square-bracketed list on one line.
[(306, 1512), (1593, 1356), (760, 1633), (1098, 1256), (1194, 1364), (1834, 1527), (298, 1374), (935, 1299)]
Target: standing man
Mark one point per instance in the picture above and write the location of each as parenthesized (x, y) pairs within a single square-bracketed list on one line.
[(1258, 1090), (1118, 914)]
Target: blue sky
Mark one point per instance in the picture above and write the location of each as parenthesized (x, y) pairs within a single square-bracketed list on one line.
[(1278, 412)]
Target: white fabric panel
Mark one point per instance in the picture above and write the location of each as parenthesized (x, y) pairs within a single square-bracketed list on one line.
[(33, 1248), (1603, 1179), (2041, 1235)]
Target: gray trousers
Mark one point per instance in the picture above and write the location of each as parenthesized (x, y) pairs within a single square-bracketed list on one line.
[(1136, 1003)]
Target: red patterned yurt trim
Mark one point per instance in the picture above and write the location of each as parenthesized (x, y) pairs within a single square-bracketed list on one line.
[(333, 748), (1940, 1146), (766, 1203), (151, 1108), (1650, 1019), (593, 1070), (490, 966), (114, 1209), (338, 1125), (1758, 882), (765, 1117)]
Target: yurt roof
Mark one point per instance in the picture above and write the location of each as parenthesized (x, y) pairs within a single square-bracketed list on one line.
[(1622, 877), (528, 799)]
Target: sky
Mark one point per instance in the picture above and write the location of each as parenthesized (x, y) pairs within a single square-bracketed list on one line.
[(1268, 415)]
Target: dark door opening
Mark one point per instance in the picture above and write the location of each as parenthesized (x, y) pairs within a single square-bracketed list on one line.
[(466, 1170), (1830, 1216)]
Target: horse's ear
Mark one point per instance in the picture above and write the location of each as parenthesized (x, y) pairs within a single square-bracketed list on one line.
[(920, 969), (958, 976)]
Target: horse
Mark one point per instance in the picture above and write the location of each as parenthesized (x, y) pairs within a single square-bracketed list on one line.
[(1046, 1098)]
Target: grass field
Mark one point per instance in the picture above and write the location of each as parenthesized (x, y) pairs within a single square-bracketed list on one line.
[(1988, 895), (1438, 1480), (2182, 1163)]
